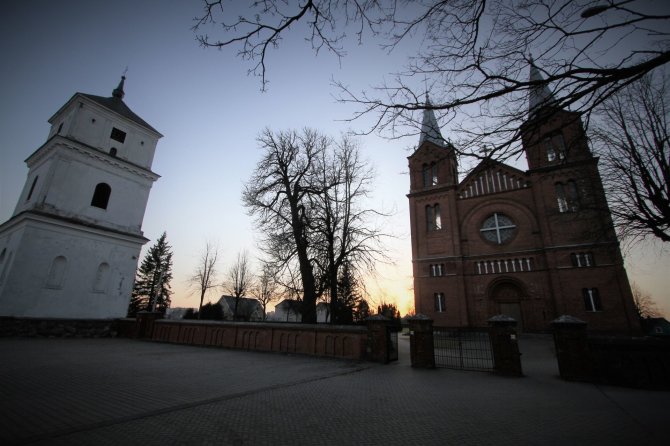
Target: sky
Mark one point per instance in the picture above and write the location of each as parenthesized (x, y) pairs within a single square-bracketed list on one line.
[(210, 112)]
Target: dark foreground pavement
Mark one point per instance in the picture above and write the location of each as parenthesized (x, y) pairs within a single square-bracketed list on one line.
[(124, 392)]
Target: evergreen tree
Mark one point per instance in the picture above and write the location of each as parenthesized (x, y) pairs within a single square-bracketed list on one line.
[(152, 280), (348, 296)]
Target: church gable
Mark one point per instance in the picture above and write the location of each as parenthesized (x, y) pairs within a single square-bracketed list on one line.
[(491, 177)]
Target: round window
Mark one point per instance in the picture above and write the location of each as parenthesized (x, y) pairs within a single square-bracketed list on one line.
[(498, 228)]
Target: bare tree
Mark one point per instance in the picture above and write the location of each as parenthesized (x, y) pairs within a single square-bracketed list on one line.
[(264, 288), (239, 279), (344, 228), (474, 57), (204, 277), (633, 140), (275, 195), (308, 195), (644, 303)]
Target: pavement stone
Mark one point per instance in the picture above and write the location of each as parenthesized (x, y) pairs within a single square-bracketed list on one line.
[(119, 391)]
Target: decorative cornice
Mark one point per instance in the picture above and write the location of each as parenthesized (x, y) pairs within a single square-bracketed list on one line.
[(90, 151)]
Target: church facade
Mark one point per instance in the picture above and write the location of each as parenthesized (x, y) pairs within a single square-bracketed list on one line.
[(534, 244), (70, 249)]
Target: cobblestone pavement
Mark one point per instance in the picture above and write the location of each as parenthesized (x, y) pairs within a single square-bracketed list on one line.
[(125, 392)]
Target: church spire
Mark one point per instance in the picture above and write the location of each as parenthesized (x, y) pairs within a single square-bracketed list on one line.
[(430, 131), (540, 95), (118, 91)]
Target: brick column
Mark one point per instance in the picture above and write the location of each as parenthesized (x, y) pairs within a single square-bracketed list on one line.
[(421, 345), (572, 349), (144, 323), (502, 331), (379, 342)]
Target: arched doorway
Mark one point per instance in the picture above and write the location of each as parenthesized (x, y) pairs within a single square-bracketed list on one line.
[(507, 296)]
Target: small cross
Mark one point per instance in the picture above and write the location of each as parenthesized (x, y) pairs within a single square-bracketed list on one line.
[(485, 150), (125, 71)]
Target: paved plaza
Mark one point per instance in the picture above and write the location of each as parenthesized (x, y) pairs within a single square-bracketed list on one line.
[(128, 392)]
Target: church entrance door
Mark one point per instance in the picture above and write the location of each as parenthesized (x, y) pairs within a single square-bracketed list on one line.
[(508, 297), (514, 310)]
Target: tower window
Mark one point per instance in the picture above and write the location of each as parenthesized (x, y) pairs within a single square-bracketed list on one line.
[(433, 218), (581, 259), (567, 197), (57, 272), (572, 196), (439, 302), (112, 151), (555, 146), (437, 270), (498, 228), (429, 172), (32, 189), (60, 127), (101, 195), (591, 299), (101, 275), (118, 135)]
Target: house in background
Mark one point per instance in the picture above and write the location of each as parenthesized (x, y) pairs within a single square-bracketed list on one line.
[(248, 310), (655, 326), (288, 310)]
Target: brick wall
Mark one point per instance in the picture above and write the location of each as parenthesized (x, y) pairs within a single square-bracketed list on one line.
[(348, 342)]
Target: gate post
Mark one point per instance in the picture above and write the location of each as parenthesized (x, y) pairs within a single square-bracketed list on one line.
[(502, 332), (144, 323), (572, 348), (421, 344), (379, 343)]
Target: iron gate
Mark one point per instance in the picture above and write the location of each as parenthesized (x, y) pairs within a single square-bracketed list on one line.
[(463, 348)]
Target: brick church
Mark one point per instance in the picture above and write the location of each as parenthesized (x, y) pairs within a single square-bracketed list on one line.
[(534, 244)]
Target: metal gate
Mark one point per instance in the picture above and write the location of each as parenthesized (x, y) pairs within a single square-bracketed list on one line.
[(393, 344), (463, 348)]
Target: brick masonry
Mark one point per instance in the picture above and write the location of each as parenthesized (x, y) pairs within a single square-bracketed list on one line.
[(531, 276)]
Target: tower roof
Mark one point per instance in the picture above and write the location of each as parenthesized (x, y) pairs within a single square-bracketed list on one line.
[(430, 130), (116, 104), (539, 95)]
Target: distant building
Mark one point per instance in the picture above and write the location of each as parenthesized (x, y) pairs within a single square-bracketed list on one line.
[(249, 310), (71, 247), (655, 326), (176, 312), (288, 310), (532, 244)]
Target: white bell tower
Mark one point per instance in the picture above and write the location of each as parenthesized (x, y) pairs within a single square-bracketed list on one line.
[(70, 250)]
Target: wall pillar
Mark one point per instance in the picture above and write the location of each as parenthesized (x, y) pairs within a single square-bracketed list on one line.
[(421, 344), (379, 342), (144, 323), (502, 332), (572, 349)]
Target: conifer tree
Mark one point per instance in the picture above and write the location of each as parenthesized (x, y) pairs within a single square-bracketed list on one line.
[(152, 280)]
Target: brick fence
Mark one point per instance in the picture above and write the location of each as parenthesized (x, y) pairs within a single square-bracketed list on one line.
[(340, 341), (616, 360)]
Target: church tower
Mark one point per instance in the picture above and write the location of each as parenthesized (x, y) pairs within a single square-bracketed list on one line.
[(70, 249)]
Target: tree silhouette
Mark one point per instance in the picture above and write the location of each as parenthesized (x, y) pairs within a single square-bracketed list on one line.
[(151, 291)]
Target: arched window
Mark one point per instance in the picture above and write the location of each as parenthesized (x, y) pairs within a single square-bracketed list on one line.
[(57, 272), (32, 189), (433, 218), (112, 151), (101, 276), (572, 196), (101, 195), (429, 174), (560, 197)]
